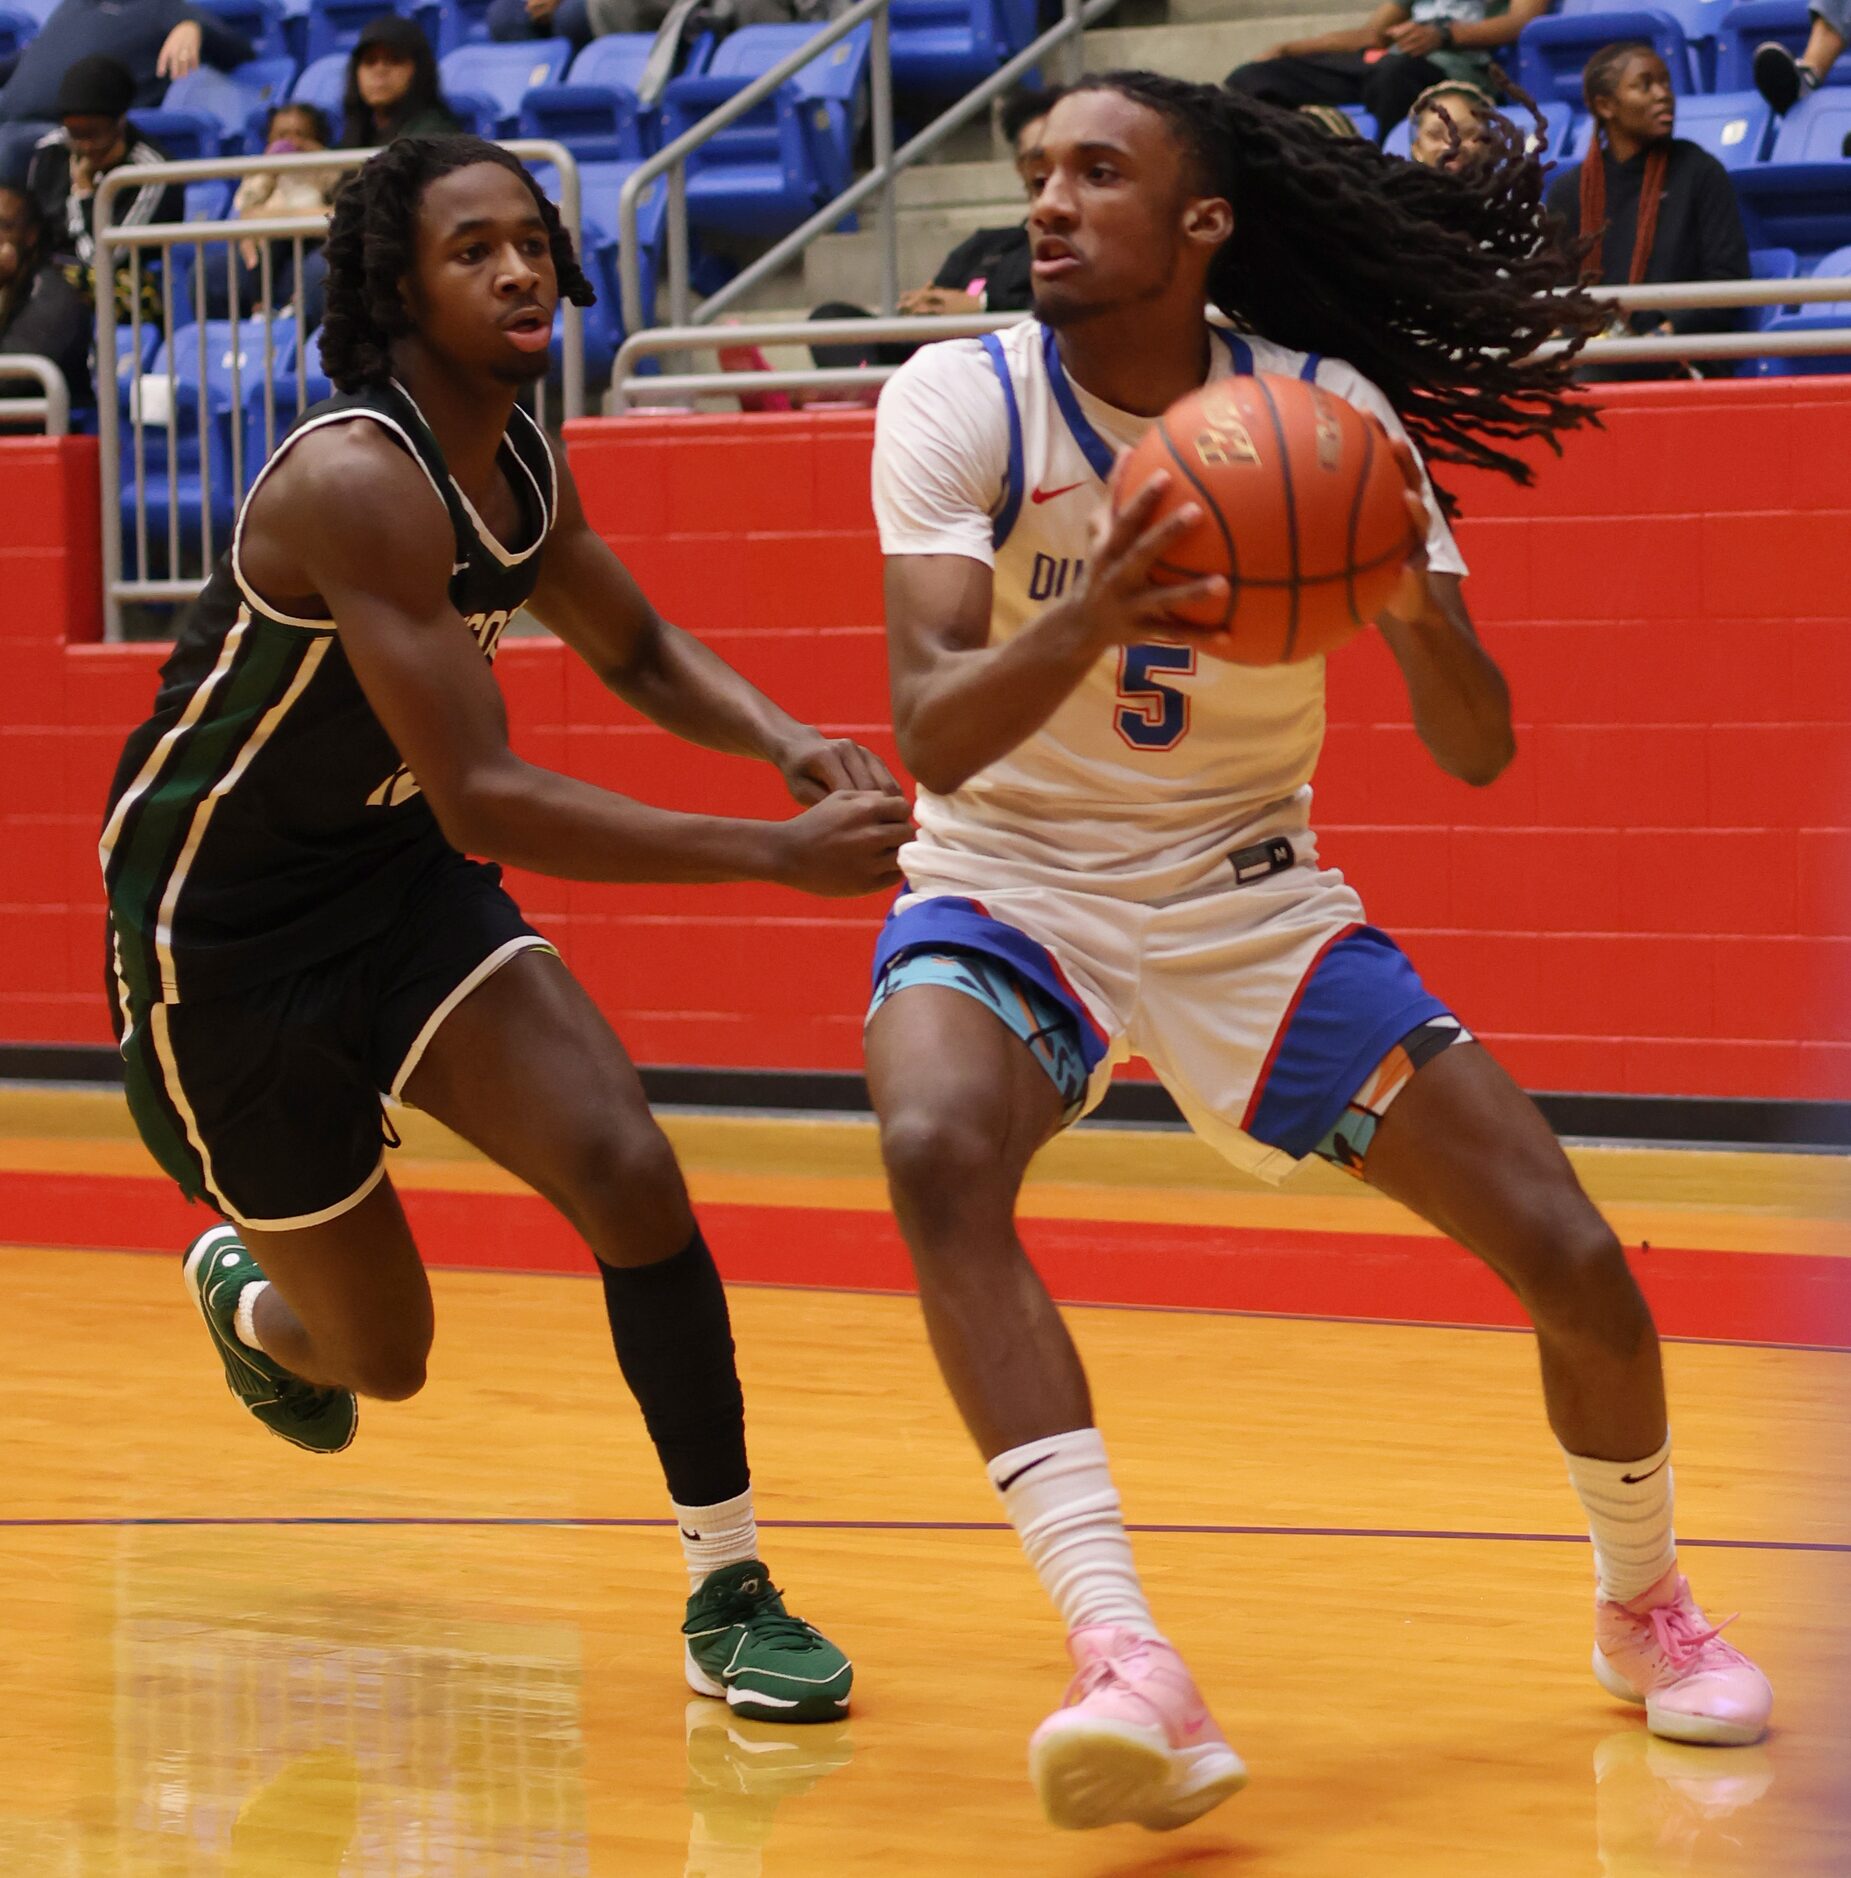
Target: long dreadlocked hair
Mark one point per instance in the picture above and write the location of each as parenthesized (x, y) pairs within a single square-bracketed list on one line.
[(372, 248), (1437, 284), (1601, 79)]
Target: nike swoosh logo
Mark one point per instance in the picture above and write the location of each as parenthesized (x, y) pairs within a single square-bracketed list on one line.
[(1632, 1480), (1048, 495), (1028, 1467)]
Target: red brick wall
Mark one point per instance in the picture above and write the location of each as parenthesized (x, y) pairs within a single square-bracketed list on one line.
[(1656, 898)]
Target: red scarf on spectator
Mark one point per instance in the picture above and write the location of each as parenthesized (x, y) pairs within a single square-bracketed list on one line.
[(1594, 207)]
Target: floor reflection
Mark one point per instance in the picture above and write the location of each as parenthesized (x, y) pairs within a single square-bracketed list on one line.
[(1664, 1807), (265, 1742), (739, 1774)]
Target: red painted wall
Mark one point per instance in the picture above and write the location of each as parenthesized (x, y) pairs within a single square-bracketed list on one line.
[(1656, 898)]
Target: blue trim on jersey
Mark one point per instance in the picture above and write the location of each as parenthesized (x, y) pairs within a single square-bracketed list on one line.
[(1362, 998), (1004, 524), (1243, 360), (963, 925), (1093, 447)]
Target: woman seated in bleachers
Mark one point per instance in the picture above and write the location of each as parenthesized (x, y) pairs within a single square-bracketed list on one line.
[(40, 311), (392, 87), (1653, 207)]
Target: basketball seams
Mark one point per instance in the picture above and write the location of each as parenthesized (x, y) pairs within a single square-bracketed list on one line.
[(1259, 384), (1221, 522), (1356, 513)]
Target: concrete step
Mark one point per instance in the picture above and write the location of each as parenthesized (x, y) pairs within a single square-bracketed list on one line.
[(847, 267), (1206, 51), (954, 185), (1199, 12)]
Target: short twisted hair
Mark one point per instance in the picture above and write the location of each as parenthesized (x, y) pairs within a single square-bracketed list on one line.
[(372, 248)]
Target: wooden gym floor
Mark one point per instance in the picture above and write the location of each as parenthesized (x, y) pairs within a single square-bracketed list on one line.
[(453, 1649)]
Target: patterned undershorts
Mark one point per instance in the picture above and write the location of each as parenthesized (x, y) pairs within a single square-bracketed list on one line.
[(1052, 1035)]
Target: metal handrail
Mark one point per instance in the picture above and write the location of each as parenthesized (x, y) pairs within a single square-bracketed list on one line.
[(53, 404), (1077, 15), (122, 247), (629, 387)]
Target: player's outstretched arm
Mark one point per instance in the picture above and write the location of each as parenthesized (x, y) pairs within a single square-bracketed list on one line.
[(587, 597), (333, 523), (959, 703), (1460, 701)]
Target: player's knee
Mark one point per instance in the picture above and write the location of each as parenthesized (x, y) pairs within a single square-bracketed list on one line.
[(393, 1373), (1579, 1284), (620, 1182), (936, 1159)]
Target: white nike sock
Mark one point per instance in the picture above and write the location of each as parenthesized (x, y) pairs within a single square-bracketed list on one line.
[(244, 1321), (1059, 1496), (711, 1536), (1628, 1507)]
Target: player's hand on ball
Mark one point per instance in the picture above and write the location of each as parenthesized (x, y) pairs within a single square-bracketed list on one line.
[(1118, 601), (848, 844), (815, 766), (1410, 601)]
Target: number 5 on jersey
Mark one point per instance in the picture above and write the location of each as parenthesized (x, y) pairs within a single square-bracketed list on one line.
[(1153, 715)]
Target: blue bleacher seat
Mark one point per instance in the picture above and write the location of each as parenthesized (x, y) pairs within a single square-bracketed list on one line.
[(594, 110), (504, 73), (40, 10), (16, 29), (260, 21), (183, 135), (1733, 126), (324, 83), (1552, 51), (600, 184), (335, 25), (464, 23), (1770, 264), (941, 47), (1362, 118), (225, 97), (1748, 24), (1800, 198), (768, 171), (1814, 316)]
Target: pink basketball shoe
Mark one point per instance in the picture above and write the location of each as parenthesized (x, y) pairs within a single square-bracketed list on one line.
[(1660, 1650), (1132, 1741)]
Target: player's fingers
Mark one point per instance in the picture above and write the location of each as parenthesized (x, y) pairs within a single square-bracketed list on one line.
[(1147, 550), (1162, 603), (891, 808), (808, 791)]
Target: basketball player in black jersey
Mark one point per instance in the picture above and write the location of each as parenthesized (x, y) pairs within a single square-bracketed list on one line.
[(295, 927)]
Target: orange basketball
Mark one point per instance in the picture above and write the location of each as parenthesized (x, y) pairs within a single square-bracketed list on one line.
[(1303, 512)]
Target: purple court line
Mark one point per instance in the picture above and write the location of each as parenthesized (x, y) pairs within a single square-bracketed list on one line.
[(1103, 1304), (598, 1522)]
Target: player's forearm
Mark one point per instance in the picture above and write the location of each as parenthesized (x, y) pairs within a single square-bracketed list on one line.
[(974, 707), (1351, 39), (687, 688), (552, 824), (1460, 702), (1481, 35)]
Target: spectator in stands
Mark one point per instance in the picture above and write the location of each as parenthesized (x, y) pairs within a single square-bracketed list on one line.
[(1448, 122), (292, 129), (1654, 207), (94, 137), (392, 88), (541, 19), (155, 39), (987, 272), (40, 311), (1781, 78), (1387, 62)]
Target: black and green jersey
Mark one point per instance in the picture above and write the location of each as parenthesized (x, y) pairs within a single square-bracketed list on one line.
[(262, 819)]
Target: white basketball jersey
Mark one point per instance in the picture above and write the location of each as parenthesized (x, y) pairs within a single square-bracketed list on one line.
[(1161, 761)]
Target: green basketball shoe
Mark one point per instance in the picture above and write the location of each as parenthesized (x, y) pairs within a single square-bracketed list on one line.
[(217, 1269), (746, 1649)]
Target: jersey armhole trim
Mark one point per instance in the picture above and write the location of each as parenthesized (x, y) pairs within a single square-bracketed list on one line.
[(1005, 521), (255, 600)]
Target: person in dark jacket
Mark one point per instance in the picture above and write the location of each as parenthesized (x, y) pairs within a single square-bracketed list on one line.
[(987, 272), (156, 40), (392, 87), (40, 311), (94, 137), (1656, 207)]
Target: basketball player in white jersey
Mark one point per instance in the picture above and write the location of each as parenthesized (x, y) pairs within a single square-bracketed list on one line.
[(1115, 853)]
